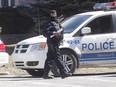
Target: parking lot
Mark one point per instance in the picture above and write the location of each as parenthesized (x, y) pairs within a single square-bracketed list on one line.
[(84, 77), (77, 80)]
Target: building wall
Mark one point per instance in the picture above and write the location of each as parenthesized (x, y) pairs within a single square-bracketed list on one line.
[(7, 3), (26, 2), (11, 3)]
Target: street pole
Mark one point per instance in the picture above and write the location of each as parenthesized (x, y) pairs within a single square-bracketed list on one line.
[(38, 19)]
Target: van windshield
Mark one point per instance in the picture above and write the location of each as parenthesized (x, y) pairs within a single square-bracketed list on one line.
[(73, 22)]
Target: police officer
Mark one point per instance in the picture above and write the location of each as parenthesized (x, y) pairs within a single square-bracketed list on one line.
[(54, 38)]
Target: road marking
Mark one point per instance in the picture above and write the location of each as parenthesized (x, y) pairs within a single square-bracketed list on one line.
[(52, 84), (98, 79)]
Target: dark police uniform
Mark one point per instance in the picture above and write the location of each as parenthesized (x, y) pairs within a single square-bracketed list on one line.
[(53, 43)]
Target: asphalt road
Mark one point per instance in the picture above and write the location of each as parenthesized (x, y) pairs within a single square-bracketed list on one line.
[(78, 80)]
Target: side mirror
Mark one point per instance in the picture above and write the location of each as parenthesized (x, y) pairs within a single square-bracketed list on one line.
[(86, 30), (0, 29)]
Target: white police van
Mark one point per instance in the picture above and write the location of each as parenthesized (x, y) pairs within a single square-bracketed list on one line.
[(89, 40)]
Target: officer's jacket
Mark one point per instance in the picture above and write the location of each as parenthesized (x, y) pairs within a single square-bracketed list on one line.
[(48, 28)]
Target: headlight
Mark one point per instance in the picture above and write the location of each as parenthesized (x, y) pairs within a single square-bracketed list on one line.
[(39, 46)]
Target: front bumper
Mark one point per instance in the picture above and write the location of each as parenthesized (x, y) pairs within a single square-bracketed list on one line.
[(30, 60)]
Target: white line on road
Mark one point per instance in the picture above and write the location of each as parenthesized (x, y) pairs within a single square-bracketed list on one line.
[(98, 79), (49, 84)]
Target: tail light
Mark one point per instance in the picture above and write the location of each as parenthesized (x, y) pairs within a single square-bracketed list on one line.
[(2, 46)]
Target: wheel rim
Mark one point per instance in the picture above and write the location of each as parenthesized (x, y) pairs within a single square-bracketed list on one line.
[(68, 62)]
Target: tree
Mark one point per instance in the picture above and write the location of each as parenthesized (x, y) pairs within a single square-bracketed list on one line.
[(13, 22), (28, 20)]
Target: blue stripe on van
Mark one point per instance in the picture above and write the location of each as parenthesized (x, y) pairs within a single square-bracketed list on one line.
[(98, 56)]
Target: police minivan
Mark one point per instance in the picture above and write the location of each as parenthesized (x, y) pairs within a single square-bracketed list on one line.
[(89, 41)]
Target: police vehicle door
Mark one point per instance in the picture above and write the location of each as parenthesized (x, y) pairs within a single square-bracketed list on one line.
[(99, 46)]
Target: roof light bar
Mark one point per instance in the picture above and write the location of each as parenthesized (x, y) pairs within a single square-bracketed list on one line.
[(108, 5), (111, 4)]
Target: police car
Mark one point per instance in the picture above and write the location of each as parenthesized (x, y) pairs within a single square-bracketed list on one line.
[(89, 40), (4, 57)]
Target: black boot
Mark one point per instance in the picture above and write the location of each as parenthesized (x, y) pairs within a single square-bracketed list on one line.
[(47, 77), (47, 68), (46, 74), (65, 75)]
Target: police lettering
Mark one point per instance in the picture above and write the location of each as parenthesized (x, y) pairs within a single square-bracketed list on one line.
[(96, 46)]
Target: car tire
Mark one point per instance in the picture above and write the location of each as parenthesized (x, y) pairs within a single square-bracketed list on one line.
[(69, 60), (35, 73)]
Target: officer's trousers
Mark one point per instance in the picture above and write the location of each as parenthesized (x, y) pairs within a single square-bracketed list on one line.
[(54, 54)]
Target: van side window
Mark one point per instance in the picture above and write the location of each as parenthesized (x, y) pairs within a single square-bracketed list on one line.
[(101, 25)]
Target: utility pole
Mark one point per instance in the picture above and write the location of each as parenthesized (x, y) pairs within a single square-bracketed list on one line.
[(37, 19)]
